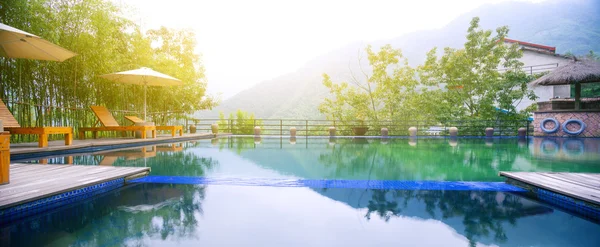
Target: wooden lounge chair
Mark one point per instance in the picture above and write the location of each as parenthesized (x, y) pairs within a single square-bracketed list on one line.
[(173, 129), (171, 148), (109, 123), (133, 154), (11, 125), (108, 160)]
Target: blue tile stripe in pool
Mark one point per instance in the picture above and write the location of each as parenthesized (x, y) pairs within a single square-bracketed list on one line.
[(330, 183), (48, 203)]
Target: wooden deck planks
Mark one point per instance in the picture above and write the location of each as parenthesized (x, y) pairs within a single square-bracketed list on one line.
[(30, 182), (41, 189), (582, 186), (575, 179)]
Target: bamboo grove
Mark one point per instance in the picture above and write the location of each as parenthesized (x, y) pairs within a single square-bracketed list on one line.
[(43, 93)]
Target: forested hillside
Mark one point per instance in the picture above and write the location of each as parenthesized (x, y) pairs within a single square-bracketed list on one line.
[(571, 26)]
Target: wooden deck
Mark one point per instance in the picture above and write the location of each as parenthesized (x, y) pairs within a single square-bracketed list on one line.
[(30, 182), (54, 146), (581, 186)]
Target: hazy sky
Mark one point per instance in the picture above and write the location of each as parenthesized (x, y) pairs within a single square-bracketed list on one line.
[(245, 42)]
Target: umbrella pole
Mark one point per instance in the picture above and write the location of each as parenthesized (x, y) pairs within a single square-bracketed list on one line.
[(145, 88), (577, 96)]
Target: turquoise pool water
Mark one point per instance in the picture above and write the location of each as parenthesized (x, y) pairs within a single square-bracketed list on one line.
[(150, 214)]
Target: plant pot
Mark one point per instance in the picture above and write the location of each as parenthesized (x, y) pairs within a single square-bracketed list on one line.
[(214, 128), (360, 131), (360, 140)]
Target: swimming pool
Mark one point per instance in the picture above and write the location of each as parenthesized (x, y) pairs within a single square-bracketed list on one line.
[(223, 213)]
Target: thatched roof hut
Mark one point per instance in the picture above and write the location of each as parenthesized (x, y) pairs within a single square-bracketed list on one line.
[(576, 71)]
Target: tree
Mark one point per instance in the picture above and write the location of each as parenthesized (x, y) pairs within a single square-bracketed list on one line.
[(43, 93), (462, 83), (174, 54), (375, 96), (593, 56), (589, 90), (467, 82)]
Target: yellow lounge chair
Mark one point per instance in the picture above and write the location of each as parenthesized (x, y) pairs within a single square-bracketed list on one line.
[(173, 129), (11, 125), (109, 123)]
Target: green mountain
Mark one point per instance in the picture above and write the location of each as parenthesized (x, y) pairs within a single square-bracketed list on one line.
[(571, 26)]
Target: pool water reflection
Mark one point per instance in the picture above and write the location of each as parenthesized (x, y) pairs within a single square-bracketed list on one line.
[(389, 159), (150, 214), (221, 215)]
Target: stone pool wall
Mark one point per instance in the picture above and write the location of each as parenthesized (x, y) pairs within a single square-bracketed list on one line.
[(591, 120)]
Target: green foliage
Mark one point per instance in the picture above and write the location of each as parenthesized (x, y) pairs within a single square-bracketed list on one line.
[(376, 96), (589, 90), (242, 123), (593, 56), (52, 93), (222, 121), (462, 83), (472, 85)]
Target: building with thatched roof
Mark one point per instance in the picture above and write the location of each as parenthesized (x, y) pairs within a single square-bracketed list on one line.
[(573, 72), (577, 117), (540, 59)]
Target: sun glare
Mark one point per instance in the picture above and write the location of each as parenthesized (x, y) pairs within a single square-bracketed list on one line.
[(264, 39)]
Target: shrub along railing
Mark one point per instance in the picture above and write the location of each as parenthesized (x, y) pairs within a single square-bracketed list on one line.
[(395, 128)]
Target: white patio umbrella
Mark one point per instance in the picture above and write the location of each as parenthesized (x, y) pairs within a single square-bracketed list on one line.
[(143, 76), (15, 43)]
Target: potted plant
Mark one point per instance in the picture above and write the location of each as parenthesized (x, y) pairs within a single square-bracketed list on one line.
[(361, 128)]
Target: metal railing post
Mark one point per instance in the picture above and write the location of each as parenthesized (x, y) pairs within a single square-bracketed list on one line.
[(280, 127), (306, 128)]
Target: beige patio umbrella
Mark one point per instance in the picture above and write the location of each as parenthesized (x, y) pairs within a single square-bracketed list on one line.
[(575, 72), (143, 76), (15, 43)]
